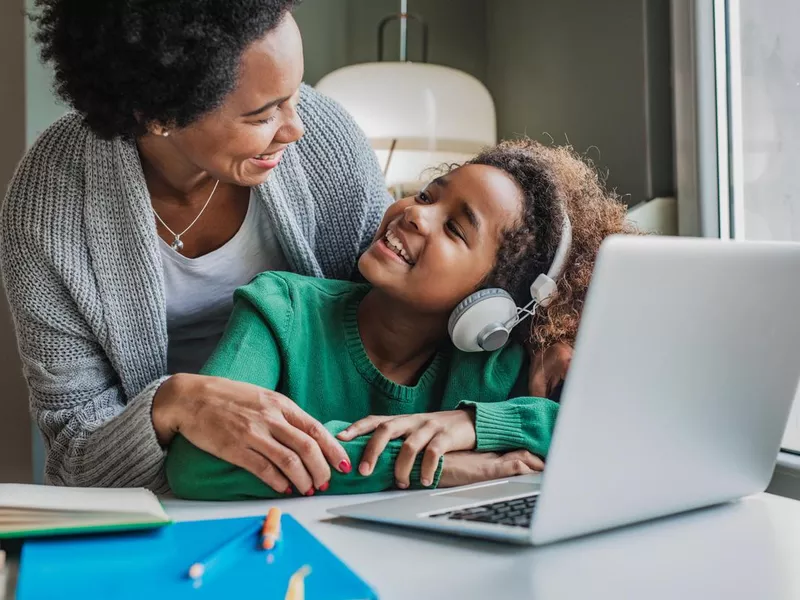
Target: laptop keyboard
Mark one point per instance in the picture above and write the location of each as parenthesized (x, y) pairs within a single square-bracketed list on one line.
[(516, 513)]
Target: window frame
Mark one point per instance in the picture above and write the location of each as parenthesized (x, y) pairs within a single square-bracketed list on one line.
[(708, 117)]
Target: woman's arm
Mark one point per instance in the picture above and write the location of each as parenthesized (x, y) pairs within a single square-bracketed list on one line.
[(96, 435), (468, 467)]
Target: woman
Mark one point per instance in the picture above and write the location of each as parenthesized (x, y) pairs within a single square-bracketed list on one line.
[(385, 376), (123, 228)]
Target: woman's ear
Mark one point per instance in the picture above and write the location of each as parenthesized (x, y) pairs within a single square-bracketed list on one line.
[(155, 127), (158, 129)]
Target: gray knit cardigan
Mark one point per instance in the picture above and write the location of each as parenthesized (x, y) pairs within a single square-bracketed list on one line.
[(83, 275)]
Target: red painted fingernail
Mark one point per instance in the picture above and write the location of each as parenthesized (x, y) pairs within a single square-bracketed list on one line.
[(345, 466), (324, 487), (310, 492), (288, 491)]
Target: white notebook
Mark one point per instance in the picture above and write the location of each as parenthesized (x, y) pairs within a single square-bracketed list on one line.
[(27, 510)]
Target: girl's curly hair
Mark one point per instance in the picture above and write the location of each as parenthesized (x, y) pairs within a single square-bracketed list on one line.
[(552, 179)]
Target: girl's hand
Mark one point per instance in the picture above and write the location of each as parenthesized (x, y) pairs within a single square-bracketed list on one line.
[(256, 429), (548, 369), (436, 433), (464, 468)]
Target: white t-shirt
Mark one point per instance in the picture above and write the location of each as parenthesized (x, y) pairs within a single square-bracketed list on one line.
[(200, 290)]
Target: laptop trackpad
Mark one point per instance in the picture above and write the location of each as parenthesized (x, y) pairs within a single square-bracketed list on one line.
[(493, 492)]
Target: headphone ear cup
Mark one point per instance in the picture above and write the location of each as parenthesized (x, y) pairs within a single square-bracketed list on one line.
[(476, 314)]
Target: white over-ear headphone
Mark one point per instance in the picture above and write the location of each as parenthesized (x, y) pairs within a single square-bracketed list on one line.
[(484, 320)]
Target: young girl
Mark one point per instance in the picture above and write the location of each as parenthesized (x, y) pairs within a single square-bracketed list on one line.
[(375, 361)]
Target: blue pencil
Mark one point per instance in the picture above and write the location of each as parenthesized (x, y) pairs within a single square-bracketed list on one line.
[(200, 568)]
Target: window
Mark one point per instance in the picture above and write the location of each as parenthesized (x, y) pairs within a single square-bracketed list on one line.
[(762, 67), (736, 92)]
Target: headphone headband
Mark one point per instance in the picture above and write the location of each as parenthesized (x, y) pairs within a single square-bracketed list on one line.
[(564, 245)]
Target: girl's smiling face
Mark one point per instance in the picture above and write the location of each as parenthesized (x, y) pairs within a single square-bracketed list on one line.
[(434, 249)]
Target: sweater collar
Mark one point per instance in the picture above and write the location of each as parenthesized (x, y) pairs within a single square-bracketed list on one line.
[(370, 373)]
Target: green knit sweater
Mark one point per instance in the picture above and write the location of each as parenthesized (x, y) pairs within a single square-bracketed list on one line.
[(299, 336)]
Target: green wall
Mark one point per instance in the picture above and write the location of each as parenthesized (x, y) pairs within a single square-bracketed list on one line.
[(457, 38), (594, 74), (325, 30)]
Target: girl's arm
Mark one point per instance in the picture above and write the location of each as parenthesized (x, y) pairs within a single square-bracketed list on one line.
[(525, 421), (521, 423), (195, 474)]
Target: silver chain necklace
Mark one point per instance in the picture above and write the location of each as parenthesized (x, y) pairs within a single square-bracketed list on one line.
[(177, 243)]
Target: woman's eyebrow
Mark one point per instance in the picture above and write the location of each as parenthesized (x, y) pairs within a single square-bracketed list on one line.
[(267, 106)]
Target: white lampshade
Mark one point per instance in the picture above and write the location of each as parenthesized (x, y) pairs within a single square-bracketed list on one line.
[(432, 114)]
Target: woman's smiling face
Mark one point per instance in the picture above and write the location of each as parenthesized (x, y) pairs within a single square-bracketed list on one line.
[(434, 249), (242, 140)]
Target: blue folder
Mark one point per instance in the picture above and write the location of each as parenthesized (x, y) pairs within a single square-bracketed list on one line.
[(154, 564)]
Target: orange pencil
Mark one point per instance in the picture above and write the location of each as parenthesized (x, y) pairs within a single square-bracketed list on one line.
[(271, 532)]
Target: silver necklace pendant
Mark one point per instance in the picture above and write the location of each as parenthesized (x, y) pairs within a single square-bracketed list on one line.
[(177, 243)]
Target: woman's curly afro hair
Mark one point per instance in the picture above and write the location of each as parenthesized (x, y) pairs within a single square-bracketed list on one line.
[(552, 179), (125, 63)]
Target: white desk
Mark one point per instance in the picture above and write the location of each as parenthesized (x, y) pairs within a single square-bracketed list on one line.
[(748, 550)]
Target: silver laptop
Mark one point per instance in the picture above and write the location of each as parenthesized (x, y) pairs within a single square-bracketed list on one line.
[(685, 368)]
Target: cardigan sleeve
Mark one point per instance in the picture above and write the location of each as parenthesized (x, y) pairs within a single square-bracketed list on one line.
[(94, 434)]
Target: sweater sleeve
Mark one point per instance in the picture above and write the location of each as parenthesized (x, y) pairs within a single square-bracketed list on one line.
[(196, 475), (517, 423), (248, 351), (95, 434)]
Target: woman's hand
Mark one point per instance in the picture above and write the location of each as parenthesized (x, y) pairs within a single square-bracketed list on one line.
[(256, 429), (436, 433), (548, 369), (463, 468)]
